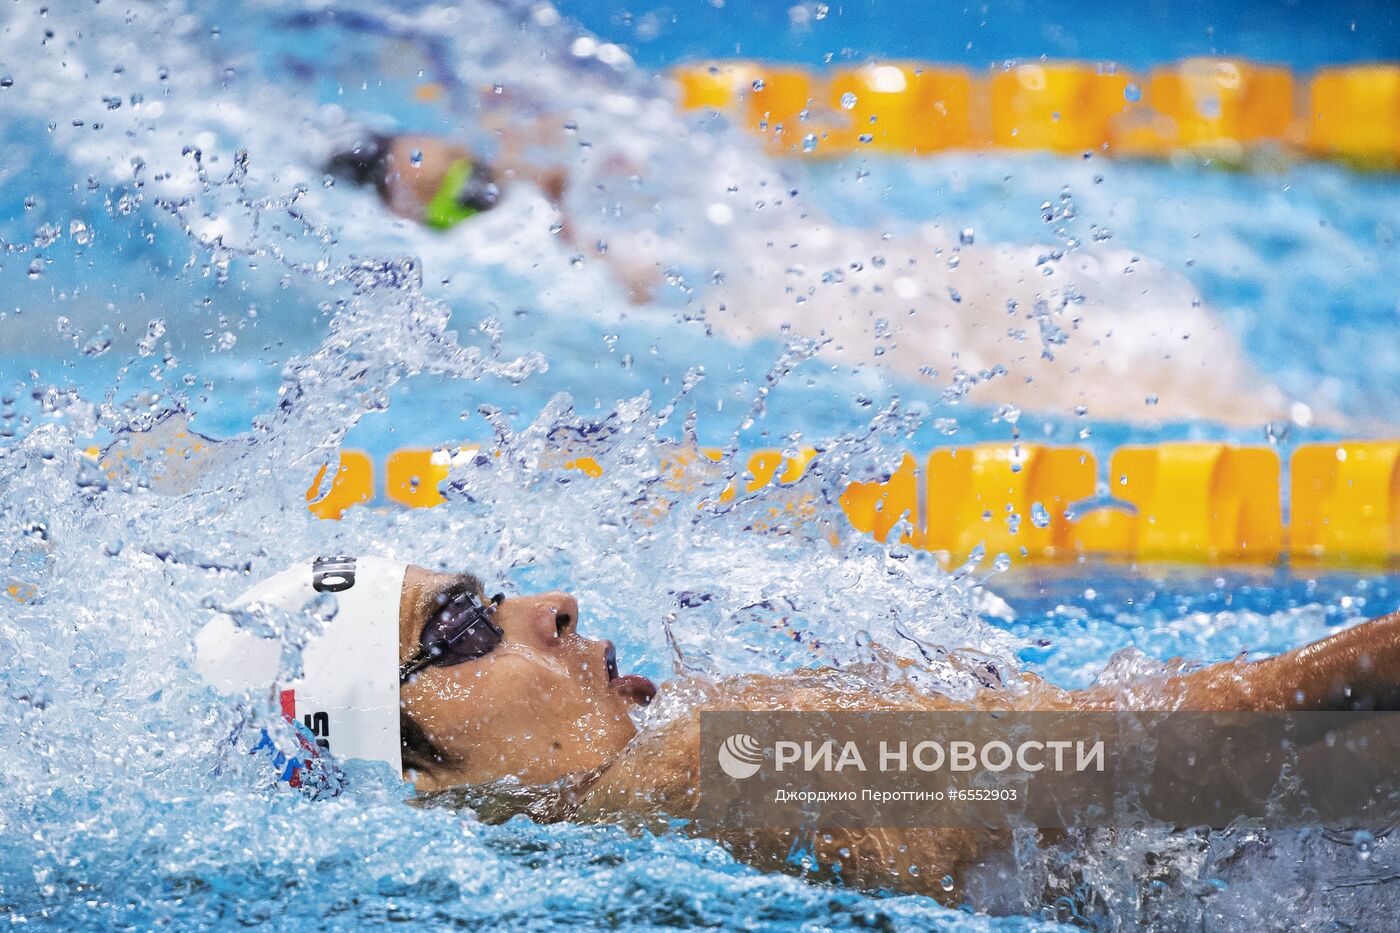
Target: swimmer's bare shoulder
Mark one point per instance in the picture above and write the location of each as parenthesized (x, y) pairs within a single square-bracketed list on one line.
[(658, 775), (657, 779)]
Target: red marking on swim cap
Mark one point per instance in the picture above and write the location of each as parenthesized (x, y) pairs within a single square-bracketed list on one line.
[(289, 704)]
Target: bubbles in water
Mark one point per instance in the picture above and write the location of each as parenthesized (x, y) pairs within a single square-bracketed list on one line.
[(848, 101), (46, 235), (99, 343)]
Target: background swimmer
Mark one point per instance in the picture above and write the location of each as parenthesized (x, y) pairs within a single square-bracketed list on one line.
[(1070, 328), (522, 697)]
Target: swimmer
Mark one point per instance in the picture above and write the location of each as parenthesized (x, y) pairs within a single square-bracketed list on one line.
[(422, 178), (1090, 331), (474, 689), (441, 184)]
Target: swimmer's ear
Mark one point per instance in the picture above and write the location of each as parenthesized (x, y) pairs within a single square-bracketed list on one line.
[(553, 182), (362, 163)]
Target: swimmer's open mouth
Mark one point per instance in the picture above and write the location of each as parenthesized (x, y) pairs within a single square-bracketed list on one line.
[(632, 687)]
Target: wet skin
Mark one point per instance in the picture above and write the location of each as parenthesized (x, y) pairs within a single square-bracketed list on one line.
[(544, 703), (543, 706)]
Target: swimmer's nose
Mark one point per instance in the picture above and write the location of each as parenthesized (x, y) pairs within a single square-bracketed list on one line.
[(540, 619)]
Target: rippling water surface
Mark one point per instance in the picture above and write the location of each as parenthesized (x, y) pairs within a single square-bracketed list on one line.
[(172, 255)]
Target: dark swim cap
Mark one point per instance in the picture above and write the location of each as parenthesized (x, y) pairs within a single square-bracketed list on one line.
[(364, 162)]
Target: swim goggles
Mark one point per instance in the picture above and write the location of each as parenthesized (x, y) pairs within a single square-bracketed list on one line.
[(460, 631), (467, 189)]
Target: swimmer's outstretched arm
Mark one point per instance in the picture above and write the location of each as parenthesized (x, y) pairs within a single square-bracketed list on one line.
[(1357, 669)]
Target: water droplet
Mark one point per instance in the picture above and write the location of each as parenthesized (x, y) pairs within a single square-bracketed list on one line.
[(758, 84), (36, 268), (99, 343), (848, 101), (416, 157), (46, 235), (1132, 93), (946, 883), (1040, 518), (80, 232), (809, 142), (967, 237), (866, 138), (1151, 400), (6, 81)]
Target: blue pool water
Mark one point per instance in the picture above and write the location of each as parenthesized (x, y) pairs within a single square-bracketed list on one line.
[(1303, 35), (148, 272)]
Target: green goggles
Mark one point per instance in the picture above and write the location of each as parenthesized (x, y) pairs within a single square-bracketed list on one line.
[(466, 190)]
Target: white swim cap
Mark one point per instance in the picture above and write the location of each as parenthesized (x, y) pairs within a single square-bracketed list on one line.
[(348, 694)]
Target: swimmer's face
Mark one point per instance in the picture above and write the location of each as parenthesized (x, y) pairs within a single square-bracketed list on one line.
[(415, 170), (544, 703)]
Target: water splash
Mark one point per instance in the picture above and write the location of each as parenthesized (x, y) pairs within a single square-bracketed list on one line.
[(126, 805)]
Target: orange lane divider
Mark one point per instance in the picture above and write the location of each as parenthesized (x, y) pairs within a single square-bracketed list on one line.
[(1193, 502), (1200, 502), (1215, 108), (1354, 114), (779, 109), (1006, 498), (877, 506), (1346, 501), (903, 107), (1062, 106), (352, 484), (1216, 102)]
